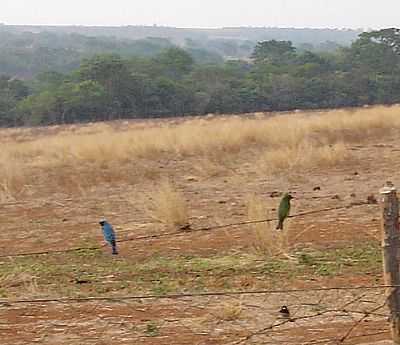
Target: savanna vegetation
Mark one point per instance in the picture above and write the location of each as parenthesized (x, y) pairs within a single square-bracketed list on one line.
[(129, 153), (172, 81)]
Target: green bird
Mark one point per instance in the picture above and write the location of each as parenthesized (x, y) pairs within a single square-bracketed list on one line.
[(283, 211)]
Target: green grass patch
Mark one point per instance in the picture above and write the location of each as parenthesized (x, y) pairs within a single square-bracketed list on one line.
[(93, 273), (357, 260)]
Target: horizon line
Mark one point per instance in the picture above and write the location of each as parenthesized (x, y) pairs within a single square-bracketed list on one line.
[(195, 27)]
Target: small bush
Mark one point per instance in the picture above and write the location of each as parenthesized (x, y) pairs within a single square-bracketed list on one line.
[(169, 207), (269, 241)]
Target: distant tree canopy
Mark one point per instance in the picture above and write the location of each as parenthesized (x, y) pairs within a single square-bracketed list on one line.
[(274, 52), (172, 82), (28, 54), (26, 51), (388, 37)]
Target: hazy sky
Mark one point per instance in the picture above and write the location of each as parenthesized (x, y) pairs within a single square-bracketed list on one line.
[(204, 13)]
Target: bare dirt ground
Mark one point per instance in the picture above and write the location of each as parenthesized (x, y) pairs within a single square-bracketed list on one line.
[(220, 260)]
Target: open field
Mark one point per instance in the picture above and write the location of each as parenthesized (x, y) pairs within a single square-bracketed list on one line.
[(160, 176)]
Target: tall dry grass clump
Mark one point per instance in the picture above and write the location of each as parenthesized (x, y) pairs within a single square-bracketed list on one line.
[(230, 311), (13, 177), (304, 156), (169, 207), (268, 241)]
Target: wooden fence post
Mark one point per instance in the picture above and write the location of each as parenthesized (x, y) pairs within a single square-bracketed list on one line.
[(391, 255)]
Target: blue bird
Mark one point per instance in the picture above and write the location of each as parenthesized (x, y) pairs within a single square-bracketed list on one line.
[(109, 235)]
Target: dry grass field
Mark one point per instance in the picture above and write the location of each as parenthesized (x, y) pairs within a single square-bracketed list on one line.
[(125, 152), (163, 176)]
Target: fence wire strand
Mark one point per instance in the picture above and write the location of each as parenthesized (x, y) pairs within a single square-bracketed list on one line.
[(187, 233)]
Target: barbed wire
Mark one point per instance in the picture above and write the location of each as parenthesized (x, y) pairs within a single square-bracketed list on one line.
[(61, 202), (356, 324), (197, 295), (337, 340), (184, 232), (123, 214)]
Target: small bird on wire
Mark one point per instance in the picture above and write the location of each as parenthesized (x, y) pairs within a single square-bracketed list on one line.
[(109, 235), (283, 211), (284, 311), (285, 314)]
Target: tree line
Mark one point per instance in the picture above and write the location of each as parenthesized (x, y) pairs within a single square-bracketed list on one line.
[(26, 54), (172, 83)]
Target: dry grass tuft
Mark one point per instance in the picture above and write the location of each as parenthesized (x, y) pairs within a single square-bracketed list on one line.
[(230, 311), (16, 278), (208, 168), (21, 280), (12, 178), (268, 242), (169, 207), (305, 155)]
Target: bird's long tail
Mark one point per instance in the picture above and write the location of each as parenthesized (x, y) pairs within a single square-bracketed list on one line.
[(280, 225), (114, 248)]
